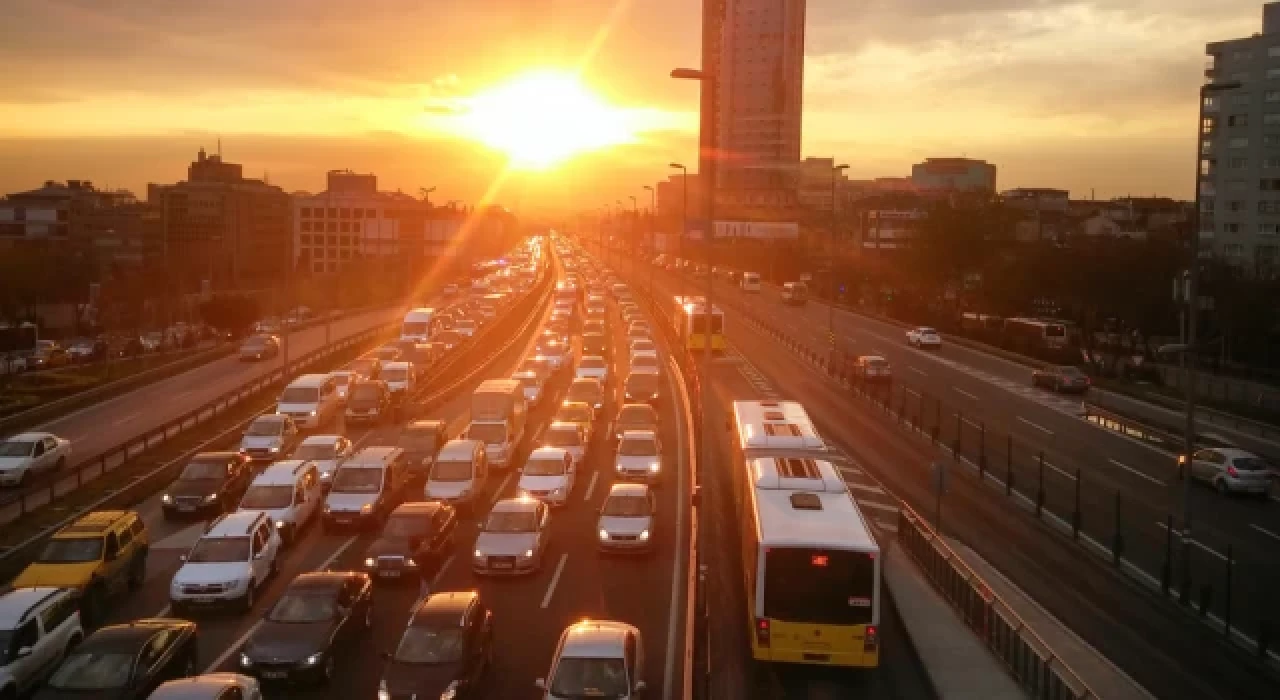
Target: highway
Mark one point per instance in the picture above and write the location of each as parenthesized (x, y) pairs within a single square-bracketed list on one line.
[(529, 613), (1105, 608)]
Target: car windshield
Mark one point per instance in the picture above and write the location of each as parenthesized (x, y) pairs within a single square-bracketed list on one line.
[(488, 433), (300, 394), (586, 392), (415, 328), (261, 497), (341, 379), (265, 428), (72, 550), (637, 415), (451, 471), (574, 414), (16, 448), (91, 670), (592, 363), (644, 361), (423, 439), (406, 526), (544, 467), (637, 447), (563, 437), (326, 451), (219, 549), (578, 677), (511, 521), (199, 470), (431, 645), (642, 346), (365, 392), (626, 506), (1251, 464), (250, 343), (357, 480), (396, 374), (303, 608)]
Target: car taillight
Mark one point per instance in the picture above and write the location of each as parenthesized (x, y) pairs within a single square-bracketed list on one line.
[(871, 641), (762, 632), (1231, 471)]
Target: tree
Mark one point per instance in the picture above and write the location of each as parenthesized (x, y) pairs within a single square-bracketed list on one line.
[(231, 313)]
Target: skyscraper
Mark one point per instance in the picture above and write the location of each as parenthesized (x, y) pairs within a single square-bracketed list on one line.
[(755, 48)]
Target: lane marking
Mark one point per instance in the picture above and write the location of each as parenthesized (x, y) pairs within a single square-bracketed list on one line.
[(1265, 531), (962, 392), (555, 578), (1136, 472), (683, 568), (126, 418), (886, 525), (435, 580), (1035, 425), (591, 485), (913, 392), (869, 489), (918, 371), (1060, 470), (1197, 543), (850, 470)]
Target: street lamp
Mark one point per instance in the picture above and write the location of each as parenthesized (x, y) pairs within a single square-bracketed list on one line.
[(684, 221), (653, 212), (831, 277), (615, 245), (635, 224)]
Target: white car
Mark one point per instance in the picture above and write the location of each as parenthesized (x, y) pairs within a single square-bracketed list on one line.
[(643, 345), (464, 326), (627, 518), (209, 686), (327, 452), (593, 367), (228, 564), (513, 538), (39, 626), (28, 454), (639, 457), (924, 337), (571, 437), (646, 363), (288, 491), (548, 475), (596, 658)]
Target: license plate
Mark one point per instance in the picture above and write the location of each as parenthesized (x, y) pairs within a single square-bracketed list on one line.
[(275, 675), (186, 508), (502, 565), (342, 521), (204, 599), (389, 574)]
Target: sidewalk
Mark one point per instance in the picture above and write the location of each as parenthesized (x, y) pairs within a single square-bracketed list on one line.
[(1093, 668), (959, 666)]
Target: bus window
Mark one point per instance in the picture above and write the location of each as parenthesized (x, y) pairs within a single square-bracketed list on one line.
[(830, 587)]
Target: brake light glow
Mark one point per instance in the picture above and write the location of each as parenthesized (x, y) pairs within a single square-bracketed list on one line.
[(1232, 472), (818, 560), (762, 632), (871, 641)]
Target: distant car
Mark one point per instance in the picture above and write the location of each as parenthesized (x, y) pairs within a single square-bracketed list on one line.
[(369, 402), (259, 347), (872, 369), (513, 538), (210, 686), (646, 363), (531, 385), (32, 454), (641, 346), (39, 626), (924, 337), (444, 652), (465, 327), (596, 658), (1231, 470), (557, 351), (320, 616), (548, 475), (450, 290), (642, 386), (635, 416), (1062, 379), (578, 412), (626, 519), (343, 379), (212, 482), (327, 452), (588, 390), (87, 350), (639, 457), (269, 437), (418, 536), (593, 367), (47, 355), (570, 437), (539, 365), (125, 662)]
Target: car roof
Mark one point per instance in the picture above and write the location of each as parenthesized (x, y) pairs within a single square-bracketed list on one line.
[(95, 523), (548, 452), (237, 524), (29, 436), (133, 633), (515, 505), (15, 604), (595, 639), (202, 687), (320, 580), (448, 607), (564, 425), (321, 439), (1233, 452), (270, 418), (628, 488), (283, 472)]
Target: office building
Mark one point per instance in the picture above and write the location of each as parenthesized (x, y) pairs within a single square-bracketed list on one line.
[(822, 186), (1037, 199), (945, 175), (1239, 171), (109, 227)]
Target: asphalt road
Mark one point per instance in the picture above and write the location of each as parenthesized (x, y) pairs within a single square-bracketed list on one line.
[(529, 613), (1148, 637)]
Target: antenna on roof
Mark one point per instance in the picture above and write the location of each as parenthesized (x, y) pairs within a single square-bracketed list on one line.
[(219, 147)]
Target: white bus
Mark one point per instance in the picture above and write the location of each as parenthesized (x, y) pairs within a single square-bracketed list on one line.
[(751, 282), (1030, 333), (418, 325), (811, 566)]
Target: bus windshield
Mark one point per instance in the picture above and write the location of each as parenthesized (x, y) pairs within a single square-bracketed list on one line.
[(819, 586)]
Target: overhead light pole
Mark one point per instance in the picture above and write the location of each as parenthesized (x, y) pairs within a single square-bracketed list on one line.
[(831, 276), (635, 225), (653, 213), (684, 222)]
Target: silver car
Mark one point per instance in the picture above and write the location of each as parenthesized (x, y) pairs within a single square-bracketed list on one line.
[(513, 538), (639, 457), (259, 347), (1231, 470), (627, 518), (210, 686)]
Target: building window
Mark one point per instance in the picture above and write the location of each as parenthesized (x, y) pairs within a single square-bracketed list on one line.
[(345, 227), (1231, 228), (1269, 206), (355, 227), (1233, 250), (1269, 184), (1242, 77), (344, 213), (333, 227), (333, 240), (333, 267), (1271, 96), (1268, 229), (370, 214), (344, 254), (333, 213), (1235, 205), (306, 226), (1271, 118), (1238, 120), (1237, 163), (317, 267), (1273, 51), (306, 212), (304, 239), (1206, 166), (1239, 100), (1206, 147), (1238, 142), (344, 240), (1207, 124), (1235, 185)]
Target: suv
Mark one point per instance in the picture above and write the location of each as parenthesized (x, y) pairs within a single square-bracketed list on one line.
[(101, 554), (228, 564), (212, 482), (40, 626)]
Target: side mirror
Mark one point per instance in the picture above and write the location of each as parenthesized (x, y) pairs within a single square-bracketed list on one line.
[(540, 684)]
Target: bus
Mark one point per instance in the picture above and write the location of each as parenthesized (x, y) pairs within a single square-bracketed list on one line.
[(690, 324), (1033, 333), (795, 293), (811, 566), (418, 325)]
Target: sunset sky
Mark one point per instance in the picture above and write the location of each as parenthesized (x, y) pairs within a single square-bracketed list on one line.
[(1096, 94)]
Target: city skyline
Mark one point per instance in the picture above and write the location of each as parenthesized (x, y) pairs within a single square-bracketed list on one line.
[(123, 95)]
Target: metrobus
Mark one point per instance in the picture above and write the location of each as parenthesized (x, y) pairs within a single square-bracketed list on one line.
[(811, 566), (1029, 333), (690, 321)]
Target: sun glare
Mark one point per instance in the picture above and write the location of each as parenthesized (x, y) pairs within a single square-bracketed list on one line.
[(542, 119)]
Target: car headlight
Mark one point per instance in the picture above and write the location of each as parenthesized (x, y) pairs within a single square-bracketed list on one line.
[(211, 498), (450, 692), (366, 508), (644, 535), (654, 467), (328, 509), (604, 535), (280, 524), (556, 492), (383, 693), (245, 660), (528, 554), (166, 499), (313, 659), (478, 554), (326, 476), (313, 414), (273, 449), (409, 562)]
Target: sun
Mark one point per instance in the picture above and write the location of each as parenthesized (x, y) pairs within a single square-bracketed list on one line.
[(542, 119)]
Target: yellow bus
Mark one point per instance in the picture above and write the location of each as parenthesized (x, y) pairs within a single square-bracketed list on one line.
[(690, 322), (810, 563)]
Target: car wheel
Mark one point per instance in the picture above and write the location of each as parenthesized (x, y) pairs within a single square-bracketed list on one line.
[(1221, 487)]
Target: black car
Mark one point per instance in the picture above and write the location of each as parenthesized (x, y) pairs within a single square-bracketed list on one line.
[(1062, 379), (421, 442), (302, 635), (447, 646), (125, 662), (368, 401), (212, 482), (417, 537)]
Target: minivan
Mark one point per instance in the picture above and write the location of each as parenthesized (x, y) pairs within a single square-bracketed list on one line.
[(365, 489), (459, 474), (311, 400), (288, 491)]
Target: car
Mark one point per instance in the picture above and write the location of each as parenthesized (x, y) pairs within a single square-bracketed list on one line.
[(327, 452), (596, 658), (125, 662), (38, 627), (640, 325), (366, 488), (578, 412), (320, 616), (421, 441), (228, 565), (635, 332), (450, 290), (310, 400), (444, 652), (387, 353), (639, 457), (593, 367), (259, 347), (924, 337), (531, 385), (365, 368), (539, 365), (1062, 379), (548, 475), (642, 345), (401, 379), (288, 491), (646, 362), (513, 538), (554, 346), (212, 482), (595, 325), (47, 355), (210, 686), (465, 327), (87, 350), (368, 402), (342, 380), (571, 437), (1231, 470), (418, 536), (588, 390), (100, 555), (269, 437), (459, 474), (872, 369), (642, 386), (627, 518), (635, 416), (26, 455)]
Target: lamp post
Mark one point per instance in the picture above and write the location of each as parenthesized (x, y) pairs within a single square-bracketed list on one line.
[(831, 277), (684, 221), (653, 212), (616, 245), (635, 225)]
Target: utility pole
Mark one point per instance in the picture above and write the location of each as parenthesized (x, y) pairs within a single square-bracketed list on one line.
[(684, 223)]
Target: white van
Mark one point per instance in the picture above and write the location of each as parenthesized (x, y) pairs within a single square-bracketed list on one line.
[(459, 474), (401, 378), (289, 491), (311, 400), (418, 325), (751, 281), (365, 489)]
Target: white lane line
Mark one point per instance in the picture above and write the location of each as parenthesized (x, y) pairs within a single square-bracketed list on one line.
[(918, 371), (1203, 547), (868, 489), (962, 392), (877, 506), (913, 392), (591, 485), (1060, 470), (435, 580), (126, 418), (684, 559), (1035, 425), (885, 525), (555, 578), (1265, 531), (1136, 472), (236, 645)]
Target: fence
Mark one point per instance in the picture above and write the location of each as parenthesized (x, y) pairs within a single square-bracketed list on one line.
[(1027, 657)]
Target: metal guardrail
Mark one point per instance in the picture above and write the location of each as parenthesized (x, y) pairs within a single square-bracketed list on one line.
[(1026, 656)]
